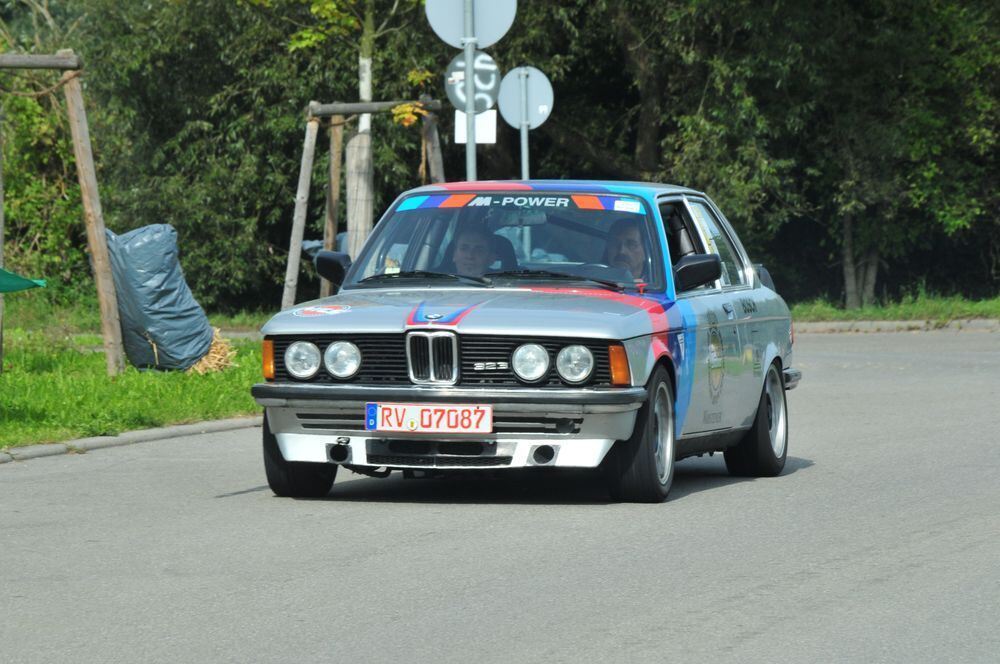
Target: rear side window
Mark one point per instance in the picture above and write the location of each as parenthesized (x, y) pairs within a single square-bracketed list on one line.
[(719, 243)]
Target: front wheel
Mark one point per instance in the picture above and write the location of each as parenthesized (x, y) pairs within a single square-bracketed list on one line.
[(641, 469), (764, 448), (294, 479)]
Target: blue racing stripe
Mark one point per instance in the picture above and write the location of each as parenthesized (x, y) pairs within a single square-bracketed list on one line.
[(411, 203)]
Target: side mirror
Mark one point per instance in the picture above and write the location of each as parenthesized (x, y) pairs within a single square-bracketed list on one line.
[(696, 270), (332, 266)]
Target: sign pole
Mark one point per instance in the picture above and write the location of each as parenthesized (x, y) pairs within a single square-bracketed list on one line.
[(469, 44), (525, 122)]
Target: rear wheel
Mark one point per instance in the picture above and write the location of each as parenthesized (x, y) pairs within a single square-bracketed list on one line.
[(764, 448), (294, 479), (641, 469)]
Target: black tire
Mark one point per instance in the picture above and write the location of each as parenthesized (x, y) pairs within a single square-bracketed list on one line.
[(294, 479), (755, 455), (633, 469)]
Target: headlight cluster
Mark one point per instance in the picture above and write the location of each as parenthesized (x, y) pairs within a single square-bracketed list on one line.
[(341, 358), (573, 363)]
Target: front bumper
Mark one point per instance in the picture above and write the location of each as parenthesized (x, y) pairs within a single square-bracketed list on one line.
[(325, 423), (792, 378)]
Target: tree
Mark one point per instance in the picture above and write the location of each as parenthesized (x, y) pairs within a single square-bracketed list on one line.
[(353, 21)]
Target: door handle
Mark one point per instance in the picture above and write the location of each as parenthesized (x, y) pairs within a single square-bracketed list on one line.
[(729, 309)]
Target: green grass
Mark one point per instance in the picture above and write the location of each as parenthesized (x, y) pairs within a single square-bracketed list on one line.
[(36, 310), (54, 388), (917, 307)]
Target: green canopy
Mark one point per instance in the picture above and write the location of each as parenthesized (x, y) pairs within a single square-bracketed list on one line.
[(10, 282)]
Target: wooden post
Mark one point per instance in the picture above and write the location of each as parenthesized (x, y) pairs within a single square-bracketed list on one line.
[(333, 193), (299, 219), (94, 218)]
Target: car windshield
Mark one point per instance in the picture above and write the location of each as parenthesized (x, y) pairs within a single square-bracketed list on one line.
[(500, 239)]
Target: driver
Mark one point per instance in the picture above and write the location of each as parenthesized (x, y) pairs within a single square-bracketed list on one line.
[(473, 252), (627, 247)]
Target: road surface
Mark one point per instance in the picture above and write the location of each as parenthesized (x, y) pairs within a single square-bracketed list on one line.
[(881, 542)]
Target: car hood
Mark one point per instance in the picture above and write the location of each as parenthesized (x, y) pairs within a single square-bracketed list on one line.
[(545, 311)]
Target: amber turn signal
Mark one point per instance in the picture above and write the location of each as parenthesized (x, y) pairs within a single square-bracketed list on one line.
[(268, 353), (620, 374)]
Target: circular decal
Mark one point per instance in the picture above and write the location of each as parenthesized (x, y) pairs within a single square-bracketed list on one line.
[(321, 310), (716, 359)]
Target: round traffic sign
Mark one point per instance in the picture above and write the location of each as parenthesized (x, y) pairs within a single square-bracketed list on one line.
[(491, 20), (485, 79), (539, 101)]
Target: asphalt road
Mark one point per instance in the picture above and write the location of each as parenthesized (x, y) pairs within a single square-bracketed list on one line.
[(881, 542)]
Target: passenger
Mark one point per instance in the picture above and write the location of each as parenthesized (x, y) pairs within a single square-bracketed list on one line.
[(627, 247), (474, 252)]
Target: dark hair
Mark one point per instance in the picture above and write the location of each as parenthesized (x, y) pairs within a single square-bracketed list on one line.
[(625, 224), (474, 230)]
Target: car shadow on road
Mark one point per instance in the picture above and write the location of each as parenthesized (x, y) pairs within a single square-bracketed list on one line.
[(534, 487)]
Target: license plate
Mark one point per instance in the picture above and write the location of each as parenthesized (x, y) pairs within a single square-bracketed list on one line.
[(428, 418)]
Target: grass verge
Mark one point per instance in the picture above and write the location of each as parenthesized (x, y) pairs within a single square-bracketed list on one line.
[(54, 388), (919, 307)]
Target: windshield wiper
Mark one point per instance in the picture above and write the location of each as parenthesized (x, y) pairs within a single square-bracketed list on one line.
[(425, 274), (549, 274)]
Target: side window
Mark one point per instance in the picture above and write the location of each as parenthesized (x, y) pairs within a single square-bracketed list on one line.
[(682, 238), (732, 272)]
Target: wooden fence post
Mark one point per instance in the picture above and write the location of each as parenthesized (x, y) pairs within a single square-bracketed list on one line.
[(333, 193), (299, 219), (111, 328)]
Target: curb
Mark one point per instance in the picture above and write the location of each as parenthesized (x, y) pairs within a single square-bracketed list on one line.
[(128, 438), (868, 326)]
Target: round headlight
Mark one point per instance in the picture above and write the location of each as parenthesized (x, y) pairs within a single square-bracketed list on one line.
[(302, 359), (530, 362), (342, 359), (575, 363)]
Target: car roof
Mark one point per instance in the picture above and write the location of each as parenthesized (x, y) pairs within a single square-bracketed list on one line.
[(647, 190)]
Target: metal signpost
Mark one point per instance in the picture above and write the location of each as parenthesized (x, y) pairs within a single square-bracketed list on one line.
[(525, 102), (468, 24)]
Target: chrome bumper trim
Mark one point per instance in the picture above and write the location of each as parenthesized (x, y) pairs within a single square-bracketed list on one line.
[(283, 394)]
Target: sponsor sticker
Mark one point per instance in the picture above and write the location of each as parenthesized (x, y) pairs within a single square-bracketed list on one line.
[(622, 205), (321, 310)]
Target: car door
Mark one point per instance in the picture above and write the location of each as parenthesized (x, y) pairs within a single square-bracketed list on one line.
[(708, 339), (742, 347)]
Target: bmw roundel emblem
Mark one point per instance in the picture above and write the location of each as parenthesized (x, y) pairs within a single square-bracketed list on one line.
[(433, 316)]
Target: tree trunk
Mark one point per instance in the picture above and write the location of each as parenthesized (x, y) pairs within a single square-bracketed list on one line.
[(859, 276), (359, 191), (870, 268), (643, 64), (360, 175), (852, 296)]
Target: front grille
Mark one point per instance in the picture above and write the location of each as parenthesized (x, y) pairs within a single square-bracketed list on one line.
[(332, 421), (383, 358), (491, 352), (473, 360), (431, 357), (436, 461)]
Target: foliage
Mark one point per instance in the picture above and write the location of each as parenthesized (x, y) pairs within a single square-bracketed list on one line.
[(794, 117)]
